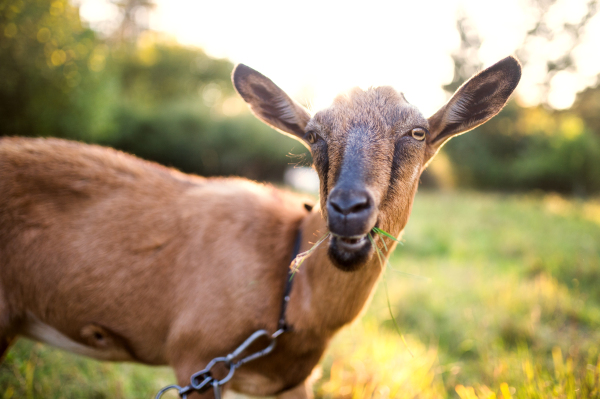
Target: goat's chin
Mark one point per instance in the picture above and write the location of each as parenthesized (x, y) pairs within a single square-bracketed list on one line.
[(349, 257)]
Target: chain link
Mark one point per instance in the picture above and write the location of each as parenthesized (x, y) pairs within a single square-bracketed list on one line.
[(203, 380)]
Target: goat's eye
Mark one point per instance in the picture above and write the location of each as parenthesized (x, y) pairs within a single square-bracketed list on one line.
[(418, 134), (311, 137)]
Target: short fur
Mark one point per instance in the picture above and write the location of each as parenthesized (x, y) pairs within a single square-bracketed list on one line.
[(121, 259)]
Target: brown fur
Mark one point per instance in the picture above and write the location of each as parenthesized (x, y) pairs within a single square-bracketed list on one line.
[(134, 261)]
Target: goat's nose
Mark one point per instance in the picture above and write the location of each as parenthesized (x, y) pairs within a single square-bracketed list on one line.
[(351, 211), (350, 201)]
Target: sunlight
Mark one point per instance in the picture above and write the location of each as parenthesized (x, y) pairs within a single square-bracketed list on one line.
[(326, 52), (561, 96), (315, 50)]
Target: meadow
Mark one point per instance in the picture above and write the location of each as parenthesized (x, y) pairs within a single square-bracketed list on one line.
[(496, 295)]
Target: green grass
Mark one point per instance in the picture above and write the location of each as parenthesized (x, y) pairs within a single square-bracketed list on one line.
[(510, 303), (33, 370), (507, 305)]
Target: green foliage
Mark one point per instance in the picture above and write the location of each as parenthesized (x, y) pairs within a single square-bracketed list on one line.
[(529, 148), (155, 71), (187, 137), (51, 75), (178, 108), (153, 98), (173, 110), (586, 106)]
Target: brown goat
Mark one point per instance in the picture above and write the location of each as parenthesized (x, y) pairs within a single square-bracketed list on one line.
[(116, 258)]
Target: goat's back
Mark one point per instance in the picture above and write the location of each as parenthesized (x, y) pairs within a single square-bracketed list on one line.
[(91, 236)]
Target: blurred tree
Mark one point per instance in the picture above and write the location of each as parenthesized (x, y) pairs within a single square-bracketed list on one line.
[(172, 100), (542, 31), (52, 79), (587, 106), (136, 90), (529, 148), (134, 18), (155, 70), (466, 57)]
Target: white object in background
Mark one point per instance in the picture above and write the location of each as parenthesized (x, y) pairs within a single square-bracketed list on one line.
[(302, 178)]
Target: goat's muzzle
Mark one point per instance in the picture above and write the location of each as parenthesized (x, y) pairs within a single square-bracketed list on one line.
[(351, 215)]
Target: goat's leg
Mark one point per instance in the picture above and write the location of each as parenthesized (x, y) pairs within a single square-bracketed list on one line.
[(6, 339), (5, 343), (302, 391)]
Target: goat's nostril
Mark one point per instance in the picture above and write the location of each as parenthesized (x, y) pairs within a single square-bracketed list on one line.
[(360, 204), (347, 203), (336, 206)]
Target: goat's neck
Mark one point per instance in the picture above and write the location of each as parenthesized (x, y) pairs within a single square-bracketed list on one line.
[(325, 298)]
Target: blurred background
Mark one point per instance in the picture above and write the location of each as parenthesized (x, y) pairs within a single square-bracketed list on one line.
[(497, 286)]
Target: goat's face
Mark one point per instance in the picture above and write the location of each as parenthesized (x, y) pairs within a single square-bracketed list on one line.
[(370, 147)]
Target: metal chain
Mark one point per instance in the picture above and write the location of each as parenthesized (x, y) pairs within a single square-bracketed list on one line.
[(203, 380)]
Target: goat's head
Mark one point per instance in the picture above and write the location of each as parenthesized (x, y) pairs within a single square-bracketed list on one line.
[(370, 147)]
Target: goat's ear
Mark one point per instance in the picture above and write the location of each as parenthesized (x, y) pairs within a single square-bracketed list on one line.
[(269, 103), (474, 103)]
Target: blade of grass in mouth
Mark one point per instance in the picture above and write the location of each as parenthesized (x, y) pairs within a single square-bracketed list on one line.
[(388, 235), (300, 258)]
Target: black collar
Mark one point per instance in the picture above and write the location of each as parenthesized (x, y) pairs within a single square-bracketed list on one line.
[(282, 325)]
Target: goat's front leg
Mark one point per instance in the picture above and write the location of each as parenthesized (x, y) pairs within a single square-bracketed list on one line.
[(6, 338), (302, 391), (5, 343)]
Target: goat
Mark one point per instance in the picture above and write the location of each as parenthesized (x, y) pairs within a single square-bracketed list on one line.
[(116, 258)]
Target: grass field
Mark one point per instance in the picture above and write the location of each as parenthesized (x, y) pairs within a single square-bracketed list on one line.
[(496, 295)]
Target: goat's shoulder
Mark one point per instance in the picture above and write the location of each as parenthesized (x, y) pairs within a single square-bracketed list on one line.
[(239, 198)]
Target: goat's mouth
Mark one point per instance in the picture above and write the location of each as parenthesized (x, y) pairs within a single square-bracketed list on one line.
[(351, 243), (349, 253)]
